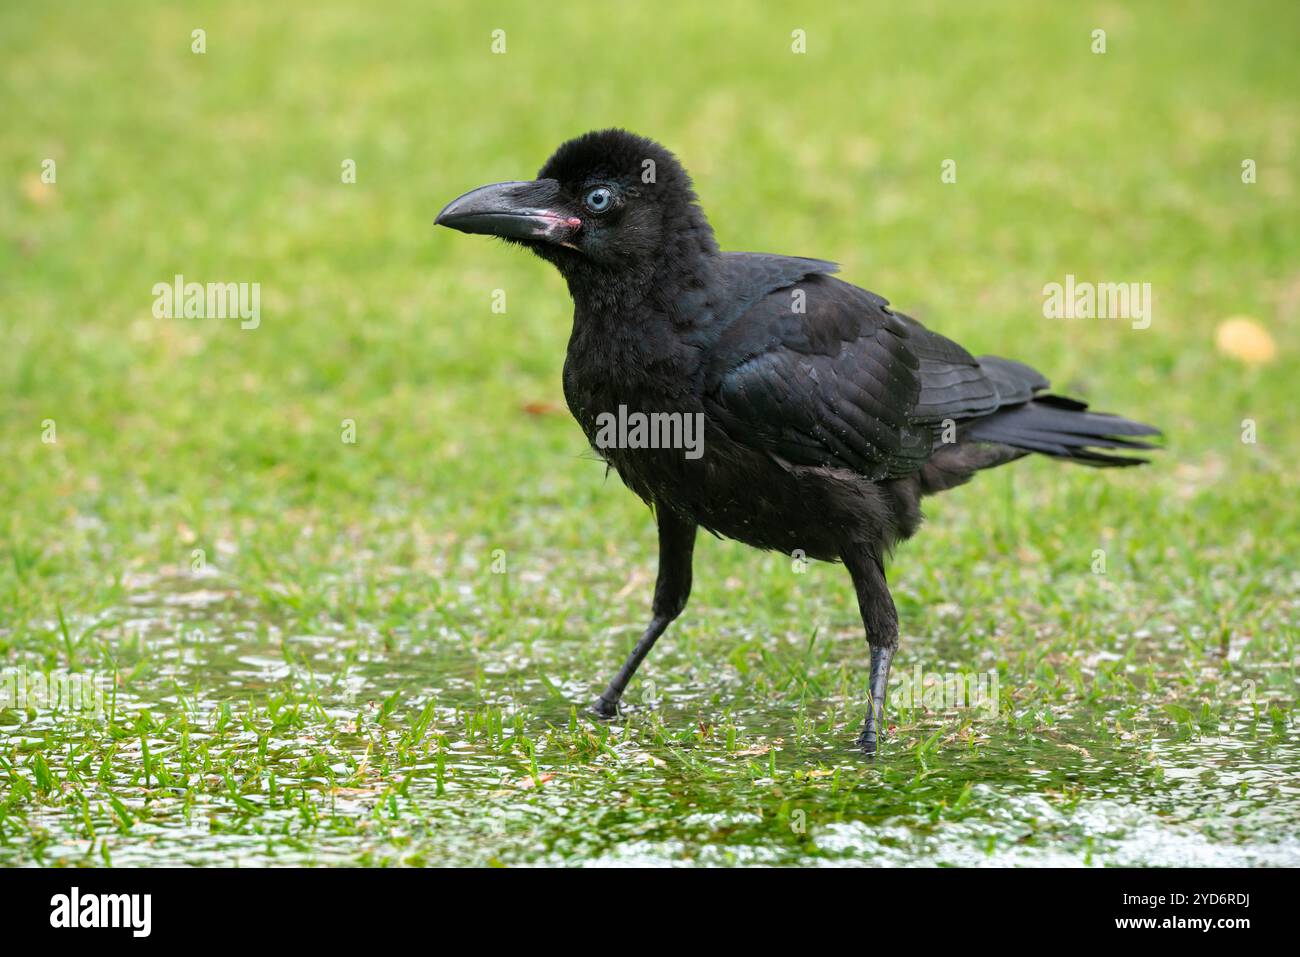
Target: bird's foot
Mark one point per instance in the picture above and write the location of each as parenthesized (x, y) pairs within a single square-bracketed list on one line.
[(874, 727), (603, 709), (867, 741)]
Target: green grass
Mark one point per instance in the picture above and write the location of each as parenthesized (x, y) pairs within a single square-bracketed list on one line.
[(346, 679)]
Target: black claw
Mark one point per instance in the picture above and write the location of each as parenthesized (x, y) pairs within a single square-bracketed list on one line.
[(603, 709)]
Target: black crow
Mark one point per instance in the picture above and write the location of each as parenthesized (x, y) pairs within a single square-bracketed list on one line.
[(826, 414)]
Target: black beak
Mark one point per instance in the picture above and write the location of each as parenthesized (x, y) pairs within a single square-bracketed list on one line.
[(527, 211)]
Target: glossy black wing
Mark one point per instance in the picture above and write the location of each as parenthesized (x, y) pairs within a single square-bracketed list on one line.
[(821, 373)]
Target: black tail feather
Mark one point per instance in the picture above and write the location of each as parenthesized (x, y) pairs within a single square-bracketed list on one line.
[(1063, 428)]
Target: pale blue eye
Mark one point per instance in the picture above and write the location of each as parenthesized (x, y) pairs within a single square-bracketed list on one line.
[(599, 199)]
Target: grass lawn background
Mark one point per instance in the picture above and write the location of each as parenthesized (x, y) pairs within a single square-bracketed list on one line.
[(346, 680)]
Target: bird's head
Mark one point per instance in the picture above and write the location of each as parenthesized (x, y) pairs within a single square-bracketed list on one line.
[(607, 201)]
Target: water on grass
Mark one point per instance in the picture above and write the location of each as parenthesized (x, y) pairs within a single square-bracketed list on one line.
[(233, 740)]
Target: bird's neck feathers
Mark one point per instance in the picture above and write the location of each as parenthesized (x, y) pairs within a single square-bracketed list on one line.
[(647, 282)]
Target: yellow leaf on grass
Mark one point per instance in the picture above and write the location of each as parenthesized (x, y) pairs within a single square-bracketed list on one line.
[(1246, 340), (39, 192)]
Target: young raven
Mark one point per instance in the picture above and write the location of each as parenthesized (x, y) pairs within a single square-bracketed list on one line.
[(827, 415)]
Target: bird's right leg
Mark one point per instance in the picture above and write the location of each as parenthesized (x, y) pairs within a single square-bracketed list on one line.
[(880, 618), (672, 588)]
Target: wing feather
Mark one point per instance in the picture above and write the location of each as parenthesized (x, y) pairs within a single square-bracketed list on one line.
[(835, 378)]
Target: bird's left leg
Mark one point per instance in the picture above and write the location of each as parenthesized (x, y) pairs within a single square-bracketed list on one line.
[(880, 618), (672, 588)]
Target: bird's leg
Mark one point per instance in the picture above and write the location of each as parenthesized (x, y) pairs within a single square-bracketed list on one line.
[(672, 588), (881, 621), (606, 706), (881, 658)]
